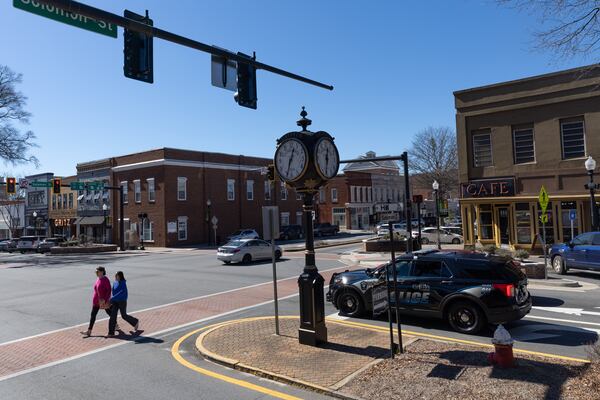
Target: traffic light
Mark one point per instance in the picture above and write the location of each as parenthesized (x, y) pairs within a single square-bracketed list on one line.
[(138, 51), (56, 182), (271, 172), (11, 185), (246, 84)]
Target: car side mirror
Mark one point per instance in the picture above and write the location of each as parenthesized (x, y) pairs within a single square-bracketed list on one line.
[(571, 244)]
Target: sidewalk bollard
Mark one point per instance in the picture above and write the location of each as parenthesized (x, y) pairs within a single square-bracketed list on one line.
[(503, 349)]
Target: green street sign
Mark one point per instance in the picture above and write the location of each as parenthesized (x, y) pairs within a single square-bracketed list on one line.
[(95, 185), (40, 184), (67, 17), (77, 186), (543, 199)]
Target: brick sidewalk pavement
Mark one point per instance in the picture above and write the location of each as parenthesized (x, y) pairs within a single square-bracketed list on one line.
[(54, 347), (252, 345)]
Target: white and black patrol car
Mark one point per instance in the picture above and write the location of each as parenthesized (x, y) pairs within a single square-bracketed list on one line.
[(468, 289)]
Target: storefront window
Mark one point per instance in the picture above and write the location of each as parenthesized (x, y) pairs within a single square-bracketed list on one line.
[(549, 226), (566, 207), (485, 222), (523, 221)]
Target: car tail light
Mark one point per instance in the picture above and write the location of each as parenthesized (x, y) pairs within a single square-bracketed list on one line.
[(236, 251), (508, 289)]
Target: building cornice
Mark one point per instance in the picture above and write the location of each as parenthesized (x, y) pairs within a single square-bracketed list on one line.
[(186, 163)]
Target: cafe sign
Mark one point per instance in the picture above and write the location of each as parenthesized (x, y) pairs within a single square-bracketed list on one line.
[(497, 187)]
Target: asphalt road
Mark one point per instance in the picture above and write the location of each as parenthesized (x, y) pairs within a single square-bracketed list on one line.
[(45, 293)]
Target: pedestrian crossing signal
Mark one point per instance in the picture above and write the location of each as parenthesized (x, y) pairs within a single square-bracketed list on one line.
[(11, 185), (56, 182)]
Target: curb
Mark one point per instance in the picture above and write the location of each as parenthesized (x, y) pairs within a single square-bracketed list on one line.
[(239, 366), (556, 282), (295, 249)]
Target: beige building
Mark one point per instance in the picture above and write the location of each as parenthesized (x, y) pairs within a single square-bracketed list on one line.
[(516, 136)]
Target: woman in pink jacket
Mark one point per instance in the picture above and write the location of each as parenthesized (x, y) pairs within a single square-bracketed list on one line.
[(101, 298)]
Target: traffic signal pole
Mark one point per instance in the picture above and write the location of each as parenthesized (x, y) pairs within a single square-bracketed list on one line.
[(96, 13)]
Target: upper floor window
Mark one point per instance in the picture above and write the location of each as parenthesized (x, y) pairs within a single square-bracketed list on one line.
[(125, 192), (267, 190), (230, 189), (322, 196), (249, 190), (523, 145), (137, 191), (283, 192), (54, 202), (572, 135), (181, 188), (334, 197), (482, 149), (151, 190), (298, 196), (71, 200)]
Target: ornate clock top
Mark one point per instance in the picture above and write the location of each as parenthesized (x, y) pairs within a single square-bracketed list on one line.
[(303, 122)]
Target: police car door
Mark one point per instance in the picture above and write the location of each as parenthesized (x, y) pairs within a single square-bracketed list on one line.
[(430, 282), (403, 284)]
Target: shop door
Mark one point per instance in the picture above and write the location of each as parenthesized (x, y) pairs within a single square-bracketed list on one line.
[(503, 225)]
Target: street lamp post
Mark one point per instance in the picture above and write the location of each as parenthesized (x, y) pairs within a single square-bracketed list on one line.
[(35, 223), (590, 166), (208, 205), (436, 187), (104, 209)]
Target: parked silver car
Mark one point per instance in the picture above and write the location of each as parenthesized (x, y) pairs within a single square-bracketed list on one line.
[(430, 235), (9, 245), (46, 244), (246, 250), (29, 243)]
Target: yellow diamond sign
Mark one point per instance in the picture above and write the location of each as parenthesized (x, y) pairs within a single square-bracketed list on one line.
[(543, 199)]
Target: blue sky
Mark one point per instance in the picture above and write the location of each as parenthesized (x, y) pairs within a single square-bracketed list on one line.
[(394, 65)]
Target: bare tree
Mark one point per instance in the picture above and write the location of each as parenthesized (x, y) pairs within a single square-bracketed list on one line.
[(433, 156), (14, 144), (11, 206), (569, 27)]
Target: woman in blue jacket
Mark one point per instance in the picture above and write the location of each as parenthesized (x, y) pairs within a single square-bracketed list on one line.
[(118, 303)]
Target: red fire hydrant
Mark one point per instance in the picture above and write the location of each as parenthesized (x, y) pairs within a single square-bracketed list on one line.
[(503, 346)]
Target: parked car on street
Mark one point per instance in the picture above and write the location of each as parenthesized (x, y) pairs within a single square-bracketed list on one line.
[(291, 232), (46, 244), (398, 227), (29, 243), (583, 252), (247, 250), (8, 245), (467, 289), (430, 235), (243, 234), (325, 229)]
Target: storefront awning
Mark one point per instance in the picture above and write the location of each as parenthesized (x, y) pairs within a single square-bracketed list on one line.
[(97, 220)]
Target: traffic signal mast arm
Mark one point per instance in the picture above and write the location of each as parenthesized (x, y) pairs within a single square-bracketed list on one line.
[(96, 13)]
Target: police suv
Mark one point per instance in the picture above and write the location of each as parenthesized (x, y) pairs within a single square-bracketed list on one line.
[(468, 289)]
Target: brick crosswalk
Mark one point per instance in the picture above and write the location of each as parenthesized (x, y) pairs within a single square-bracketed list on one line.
[(54, 347)]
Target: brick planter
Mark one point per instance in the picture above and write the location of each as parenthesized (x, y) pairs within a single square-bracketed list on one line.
[(84, 249), (533, 270), (383, 246)]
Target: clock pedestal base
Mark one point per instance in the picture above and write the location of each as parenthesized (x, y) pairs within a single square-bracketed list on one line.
[(312, 308)]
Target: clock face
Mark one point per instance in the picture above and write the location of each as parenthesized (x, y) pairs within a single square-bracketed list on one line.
[(327, 158), (291, 160)]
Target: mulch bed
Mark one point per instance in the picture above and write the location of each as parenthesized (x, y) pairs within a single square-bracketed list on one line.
[(438, 370)]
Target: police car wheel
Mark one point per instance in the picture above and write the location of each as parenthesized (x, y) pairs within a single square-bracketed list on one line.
[(350, 304), (465, 317), (558, 265)]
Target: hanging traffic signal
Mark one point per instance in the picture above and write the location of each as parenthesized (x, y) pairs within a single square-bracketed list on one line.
[(271, 172), (138, 51), (11, 185), (56, 182), (246, 83)]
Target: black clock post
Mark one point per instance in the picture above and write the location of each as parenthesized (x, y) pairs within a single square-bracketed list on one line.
[(313, 175)]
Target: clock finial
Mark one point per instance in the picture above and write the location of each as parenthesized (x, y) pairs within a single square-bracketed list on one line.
[(303, 122)]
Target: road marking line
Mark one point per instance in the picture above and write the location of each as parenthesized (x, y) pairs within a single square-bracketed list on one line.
[(225, 378), (471, 342), (164, 305), (563, 320)]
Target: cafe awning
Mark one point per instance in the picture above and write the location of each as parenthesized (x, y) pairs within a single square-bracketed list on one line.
[(96, 220)]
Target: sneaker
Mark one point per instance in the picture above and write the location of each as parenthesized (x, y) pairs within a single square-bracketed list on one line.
[(117, 327), (87, 333)]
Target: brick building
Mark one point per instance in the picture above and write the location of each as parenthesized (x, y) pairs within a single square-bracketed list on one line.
[(181, 190), (364, 194), (63, 210)]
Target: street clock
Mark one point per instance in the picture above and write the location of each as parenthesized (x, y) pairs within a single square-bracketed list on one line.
[(306, 160)]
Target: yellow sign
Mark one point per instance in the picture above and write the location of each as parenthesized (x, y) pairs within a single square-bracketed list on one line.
[(543, 199)]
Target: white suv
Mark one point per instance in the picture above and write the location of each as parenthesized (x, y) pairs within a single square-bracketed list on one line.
[(29, 243)]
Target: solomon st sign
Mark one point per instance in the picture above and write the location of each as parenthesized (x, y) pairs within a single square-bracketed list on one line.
[(497, 187)]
